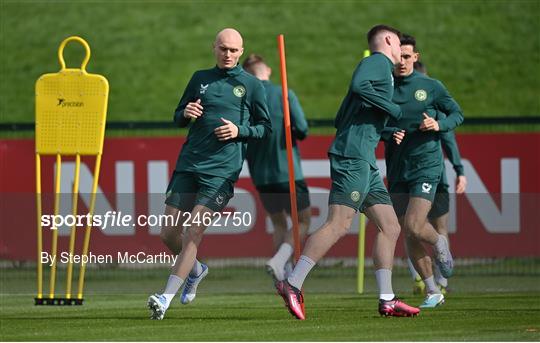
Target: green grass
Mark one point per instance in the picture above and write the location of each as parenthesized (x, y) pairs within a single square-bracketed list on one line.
[(486, 52), (239, 304), (255, 317)]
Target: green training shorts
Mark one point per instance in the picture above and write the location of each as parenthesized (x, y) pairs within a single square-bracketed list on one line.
[(441, 204), (402, 191), (276, 197), (356, 184), (187, 189)]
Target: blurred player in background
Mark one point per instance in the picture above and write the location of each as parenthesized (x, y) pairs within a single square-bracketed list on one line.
[(414, 166), (438, 215), (356, 182), (420, 67), (228, 106), (268, 166)]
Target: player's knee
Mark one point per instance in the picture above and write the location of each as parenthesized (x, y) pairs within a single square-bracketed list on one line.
[(392, 230), (413, 227), (440, 227), (339, 228), (169, 235), (194, 234), (305, 221), (280, 229), (279, 219)]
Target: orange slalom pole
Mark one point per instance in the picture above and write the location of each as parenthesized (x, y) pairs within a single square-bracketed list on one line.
[(288, 142)]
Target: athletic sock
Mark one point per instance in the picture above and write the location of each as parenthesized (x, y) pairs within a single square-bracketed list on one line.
[(413, 271), (441, 280), (172, 287), (431, 287), (384, 282), (197, 269), (288, 268), (281, 257), (300, 272)]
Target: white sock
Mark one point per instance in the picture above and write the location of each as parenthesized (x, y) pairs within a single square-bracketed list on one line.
[(172, 287), (300, 272), (431, 286), (441, 280), (413, 271), (281, 257), (384, 282), (288, 268), (197, 269)]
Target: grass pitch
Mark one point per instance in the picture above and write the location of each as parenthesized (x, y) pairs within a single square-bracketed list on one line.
[(241, 306), (261, 317)]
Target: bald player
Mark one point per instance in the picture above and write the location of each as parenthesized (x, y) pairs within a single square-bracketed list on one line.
[(227, 107), (356, 182)]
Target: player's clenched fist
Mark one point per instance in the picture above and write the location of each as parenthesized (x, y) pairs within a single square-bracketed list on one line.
[(429, 124), (398, 136), (193, 109), (227, 131), (461, 184)]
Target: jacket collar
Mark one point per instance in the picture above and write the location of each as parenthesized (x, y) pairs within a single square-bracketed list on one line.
[(234, 71)]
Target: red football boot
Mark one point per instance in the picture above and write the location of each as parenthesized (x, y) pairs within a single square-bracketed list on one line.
[(396, 308), (293, 298)]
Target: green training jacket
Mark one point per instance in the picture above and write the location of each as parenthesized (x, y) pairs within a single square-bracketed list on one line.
[(365, 110), (232, 94), (419, 156), (450, 147), (267, 158)]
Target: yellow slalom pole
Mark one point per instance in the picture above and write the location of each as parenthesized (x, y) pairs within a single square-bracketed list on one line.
[(55, 230), (39, 229), (361, 253), (361, 241), (72, 234), (89, 227)]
